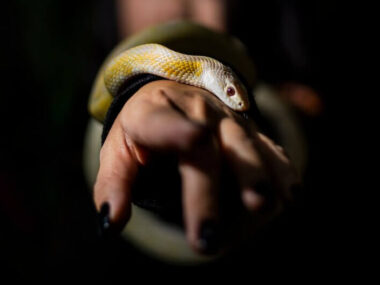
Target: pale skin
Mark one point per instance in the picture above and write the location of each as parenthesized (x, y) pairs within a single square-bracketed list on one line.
[(199, 126), (193, 124)]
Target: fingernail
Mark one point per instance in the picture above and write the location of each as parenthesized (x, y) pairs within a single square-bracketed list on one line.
[(209, 238), (104, 220)]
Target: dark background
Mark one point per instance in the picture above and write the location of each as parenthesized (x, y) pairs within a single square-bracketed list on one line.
[(48, 221)]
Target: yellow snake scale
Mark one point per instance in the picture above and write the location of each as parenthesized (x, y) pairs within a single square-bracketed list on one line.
[(200, 71)]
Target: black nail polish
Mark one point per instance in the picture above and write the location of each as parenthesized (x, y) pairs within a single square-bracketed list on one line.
[(104, 220), (209, 241)]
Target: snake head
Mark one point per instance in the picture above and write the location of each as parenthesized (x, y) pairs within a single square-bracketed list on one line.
[(225, 84), (235, 92)]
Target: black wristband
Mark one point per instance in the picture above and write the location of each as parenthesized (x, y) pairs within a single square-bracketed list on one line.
[(134, 84), (125, 92)]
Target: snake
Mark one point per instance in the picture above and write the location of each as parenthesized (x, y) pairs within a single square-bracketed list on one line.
[(196, 70)]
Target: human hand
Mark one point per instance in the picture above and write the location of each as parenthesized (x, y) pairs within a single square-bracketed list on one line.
[(167, 116)]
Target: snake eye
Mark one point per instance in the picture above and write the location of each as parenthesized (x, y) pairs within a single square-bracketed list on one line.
[(230, 91)]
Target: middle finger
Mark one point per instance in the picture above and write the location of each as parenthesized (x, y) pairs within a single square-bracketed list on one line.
[(200, 182)]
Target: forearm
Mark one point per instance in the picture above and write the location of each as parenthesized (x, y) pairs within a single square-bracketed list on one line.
[(136, 15)]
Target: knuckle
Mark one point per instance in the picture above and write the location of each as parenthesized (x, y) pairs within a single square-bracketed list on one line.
[(250, 154), (160, 96), (201, 108)]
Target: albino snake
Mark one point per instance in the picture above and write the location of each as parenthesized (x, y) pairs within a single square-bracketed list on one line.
[(199, 71)]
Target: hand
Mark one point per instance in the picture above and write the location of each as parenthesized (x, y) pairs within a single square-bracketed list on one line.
[(191, 122)]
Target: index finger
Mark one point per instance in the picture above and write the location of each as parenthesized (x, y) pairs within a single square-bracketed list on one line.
[(116, 174)]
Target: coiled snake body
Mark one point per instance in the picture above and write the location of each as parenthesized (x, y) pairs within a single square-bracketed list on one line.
[(200, 71)]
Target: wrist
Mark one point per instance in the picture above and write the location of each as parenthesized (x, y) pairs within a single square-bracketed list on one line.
[(122, 97)]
